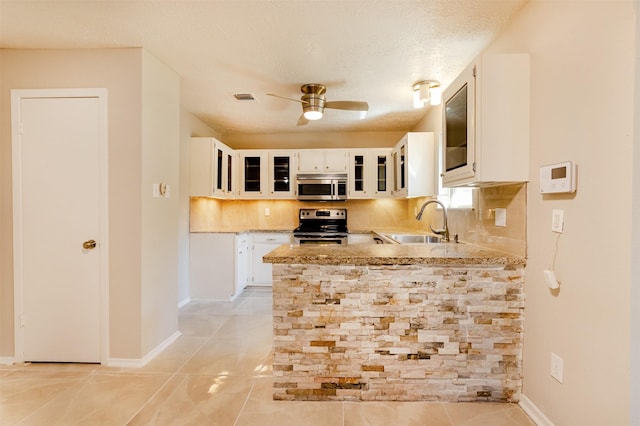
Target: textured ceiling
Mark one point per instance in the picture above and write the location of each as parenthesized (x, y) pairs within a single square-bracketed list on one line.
[(371, 50)]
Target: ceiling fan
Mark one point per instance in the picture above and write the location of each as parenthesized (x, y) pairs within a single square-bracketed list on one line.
[(313, 103)]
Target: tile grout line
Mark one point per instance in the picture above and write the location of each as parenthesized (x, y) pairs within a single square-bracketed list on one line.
[(244, 404), (84, 382), (175, 373), (446, 412)]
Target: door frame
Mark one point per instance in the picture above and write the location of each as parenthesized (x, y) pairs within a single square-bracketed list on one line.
[(103, 233)]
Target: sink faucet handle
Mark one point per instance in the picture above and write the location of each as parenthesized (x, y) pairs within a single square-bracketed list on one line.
[(438, 231)]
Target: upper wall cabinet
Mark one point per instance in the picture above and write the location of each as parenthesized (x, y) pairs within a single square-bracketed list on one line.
[(281, 169), (414, 165), (212, 169), (370, 173), (486, 122), (323, 161), (266, 173), (253, 173)]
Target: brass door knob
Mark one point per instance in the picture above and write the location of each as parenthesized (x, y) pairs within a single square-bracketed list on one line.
[(89, 245)]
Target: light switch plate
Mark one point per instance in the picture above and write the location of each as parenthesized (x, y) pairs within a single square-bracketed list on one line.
[(557, 220), (556, 367)]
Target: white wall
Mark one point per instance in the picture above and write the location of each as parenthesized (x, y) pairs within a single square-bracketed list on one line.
[(635, 251), (118, 70), (144, 126), (582, 109), (160, 163)]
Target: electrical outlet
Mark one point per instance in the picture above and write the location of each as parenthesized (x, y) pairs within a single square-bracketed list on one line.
[(556, 367), (267, 212)]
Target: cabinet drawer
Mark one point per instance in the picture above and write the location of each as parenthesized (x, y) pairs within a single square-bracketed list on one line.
[(272, 238), (242, 240)]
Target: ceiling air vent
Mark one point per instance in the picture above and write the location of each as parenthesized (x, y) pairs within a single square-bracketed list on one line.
[(244, 97)]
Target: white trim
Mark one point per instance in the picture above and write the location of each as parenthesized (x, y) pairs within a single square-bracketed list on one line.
[(536, 415), (6, 360), (141, 362), (16, 97), (184, 302)]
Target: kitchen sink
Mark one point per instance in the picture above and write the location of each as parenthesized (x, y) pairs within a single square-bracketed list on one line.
[(414, 238)]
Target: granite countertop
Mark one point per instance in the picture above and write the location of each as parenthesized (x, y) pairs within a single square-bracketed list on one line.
[(391, 254), (238, 230)]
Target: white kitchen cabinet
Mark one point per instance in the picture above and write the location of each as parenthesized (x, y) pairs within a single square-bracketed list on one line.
[(370, 173), (486, 122), (323, 161), (212, 166), (215, 266), (266, 174), (414, 165), (281, 174), (253, 173), (261, 244), (242, 262)]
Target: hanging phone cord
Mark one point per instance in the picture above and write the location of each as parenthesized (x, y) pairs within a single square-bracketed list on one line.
[(555, 253)]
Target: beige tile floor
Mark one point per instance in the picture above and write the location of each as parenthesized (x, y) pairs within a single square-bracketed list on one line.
[(217, 373)]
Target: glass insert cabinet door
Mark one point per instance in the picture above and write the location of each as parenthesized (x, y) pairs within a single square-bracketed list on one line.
[(456, 125), (229, 173), (252, 167), (219, 162), (381, 175), (358, 170), (281, 174)]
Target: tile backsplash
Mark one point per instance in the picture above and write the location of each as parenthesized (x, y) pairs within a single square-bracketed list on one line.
[(474, 225), (477, 225)]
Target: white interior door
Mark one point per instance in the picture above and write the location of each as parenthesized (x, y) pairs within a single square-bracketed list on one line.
[(59, 242)]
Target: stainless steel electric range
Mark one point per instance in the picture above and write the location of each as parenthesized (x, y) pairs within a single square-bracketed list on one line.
[(322, 226)]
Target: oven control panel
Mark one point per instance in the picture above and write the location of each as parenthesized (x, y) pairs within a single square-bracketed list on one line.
[(323, 214)]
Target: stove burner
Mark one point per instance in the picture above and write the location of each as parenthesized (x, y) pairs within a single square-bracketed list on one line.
[(322, 226)]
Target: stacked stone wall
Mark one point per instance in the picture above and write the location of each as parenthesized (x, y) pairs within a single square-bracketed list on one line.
[(398, 333)]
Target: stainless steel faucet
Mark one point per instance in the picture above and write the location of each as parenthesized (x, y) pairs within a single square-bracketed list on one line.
[(445, 231)]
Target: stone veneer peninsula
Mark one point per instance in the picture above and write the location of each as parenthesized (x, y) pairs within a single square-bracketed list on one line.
[(428, 322)]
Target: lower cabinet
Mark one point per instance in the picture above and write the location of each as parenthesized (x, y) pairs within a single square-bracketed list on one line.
[(242, 262), (261, 244), (218, 265)]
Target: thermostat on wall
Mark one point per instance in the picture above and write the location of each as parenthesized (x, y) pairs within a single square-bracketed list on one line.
[(558, 178)]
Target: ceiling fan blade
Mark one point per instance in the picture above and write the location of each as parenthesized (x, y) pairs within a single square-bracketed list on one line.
[(288, 99), (348, 105), (302, 121)]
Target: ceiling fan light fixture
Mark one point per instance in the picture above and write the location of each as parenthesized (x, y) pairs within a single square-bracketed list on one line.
[(435, 97), (426, 91), (417, 102), (313, 103), (313, 114)]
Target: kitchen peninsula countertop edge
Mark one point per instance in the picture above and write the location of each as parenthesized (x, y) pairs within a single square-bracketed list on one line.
[(391, 254), (239, 230)]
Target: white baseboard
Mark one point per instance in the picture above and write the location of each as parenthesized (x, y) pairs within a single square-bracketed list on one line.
[(141, 362), (534, 412), (184, 302), (7, 360)]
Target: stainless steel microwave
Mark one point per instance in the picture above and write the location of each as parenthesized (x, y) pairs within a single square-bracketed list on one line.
[(322, 187)]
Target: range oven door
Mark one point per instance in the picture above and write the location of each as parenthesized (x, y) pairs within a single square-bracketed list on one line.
[(322, 187)]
